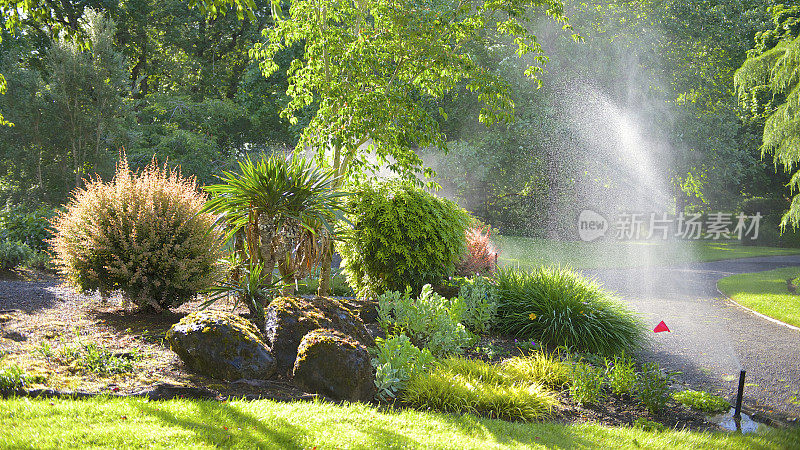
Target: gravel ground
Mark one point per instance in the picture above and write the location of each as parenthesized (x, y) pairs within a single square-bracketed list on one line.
[(711, 338)]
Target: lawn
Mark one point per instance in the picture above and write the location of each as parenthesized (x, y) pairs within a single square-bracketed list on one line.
[(765, 292), (125, 423), (531, 252)]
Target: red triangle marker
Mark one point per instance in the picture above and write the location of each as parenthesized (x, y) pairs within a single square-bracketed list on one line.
[(660, 327)]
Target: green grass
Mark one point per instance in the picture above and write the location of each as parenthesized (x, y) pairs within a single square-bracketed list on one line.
[(128, 423), (766, 293), (558, 307), (531, 252)]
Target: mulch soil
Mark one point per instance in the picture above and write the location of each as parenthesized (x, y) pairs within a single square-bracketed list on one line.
[(40, 317)]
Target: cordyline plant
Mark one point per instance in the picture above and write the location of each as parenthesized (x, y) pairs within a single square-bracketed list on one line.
[(277, 212)]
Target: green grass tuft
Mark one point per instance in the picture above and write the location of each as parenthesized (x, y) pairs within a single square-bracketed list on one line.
[(702, 401), (458, 386), (545, 369), (560, 308)]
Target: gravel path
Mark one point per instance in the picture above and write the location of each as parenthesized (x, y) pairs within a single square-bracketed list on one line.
[(711, 338)]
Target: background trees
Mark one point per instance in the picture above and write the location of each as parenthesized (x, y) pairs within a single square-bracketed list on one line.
[(173, 81)]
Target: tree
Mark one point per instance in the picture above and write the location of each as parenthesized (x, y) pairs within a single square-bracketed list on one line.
[(368, 66), (768, 89), (88, 86)]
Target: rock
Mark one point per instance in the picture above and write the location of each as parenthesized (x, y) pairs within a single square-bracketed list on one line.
[(288, 319), (221, 345), (334, 365)]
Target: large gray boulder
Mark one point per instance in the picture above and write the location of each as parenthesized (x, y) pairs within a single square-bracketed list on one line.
[(334, 365), (221, 345), (288, 319)]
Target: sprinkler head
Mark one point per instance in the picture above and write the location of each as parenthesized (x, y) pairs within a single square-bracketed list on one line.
[(737, 412)]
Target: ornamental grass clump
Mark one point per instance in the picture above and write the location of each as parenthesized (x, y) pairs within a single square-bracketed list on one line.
[(558, 307), (142, 234), (459, 386)]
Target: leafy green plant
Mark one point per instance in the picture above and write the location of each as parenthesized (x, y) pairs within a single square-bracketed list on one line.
[(703, 401), (652, 387), (458, 386), (12, 379), (560, 308), (31, 227), (142, 234), (400, 236), (586, 384), (480, 304), (254, 288), (396, 361), (430, 320), (45, 349), (621, 374), (542, 368), (13, 254), (94, 358)]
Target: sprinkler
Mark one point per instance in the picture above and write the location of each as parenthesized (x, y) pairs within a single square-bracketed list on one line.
[(737, 412)]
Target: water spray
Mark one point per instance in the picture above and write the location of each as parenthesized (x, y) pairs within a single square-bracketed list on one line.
[(737, 412)]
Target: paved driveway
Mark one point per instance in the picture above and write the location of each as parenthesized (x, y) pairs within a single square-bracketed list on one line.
[(711, 338)]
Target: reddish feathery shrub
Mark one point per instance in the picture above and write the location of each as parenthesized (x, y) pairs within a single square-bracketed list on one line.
[(141, 234), (480, 256)]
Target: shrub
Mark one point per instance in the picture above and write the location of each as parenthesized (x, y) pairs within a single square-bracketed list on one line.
[(560, 308), (142, 234), (542, 368), (431, 321), (400, 236), (396, 361), (480, 304), (461, 386), (652, 387), (586, 384), (621, 374), (13, 254), (480, 256), (17, 223), (703, 401)]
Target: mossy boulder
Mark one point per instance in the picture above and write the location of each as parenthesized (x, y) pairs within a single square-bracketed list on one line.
[(221, 345), (288, 319), (334, 365)]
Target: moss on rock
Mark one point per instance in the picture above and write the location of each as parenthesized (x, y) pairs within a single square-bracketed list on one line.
[(288, 319), (334, 365), (221, 345)]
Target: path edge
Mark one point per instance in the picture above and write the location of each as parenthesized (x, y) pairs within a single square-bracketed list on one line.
[(751, 311)]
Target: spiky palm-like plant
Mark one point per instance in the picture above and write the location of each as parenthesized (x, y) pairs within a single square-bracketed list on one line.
[(277, 212)]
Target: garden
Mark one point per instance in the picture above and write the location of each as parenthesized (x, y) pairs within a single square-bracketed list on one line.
[(179, 293), (418, 223)]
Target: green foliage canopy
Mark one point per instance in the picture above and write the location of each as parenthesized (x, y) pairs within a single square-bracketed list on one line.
[(367, 65), (768, 89)]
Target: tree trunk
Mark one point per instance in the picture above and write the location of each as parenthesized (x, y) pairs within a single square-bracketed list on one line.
[(325, 271)]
